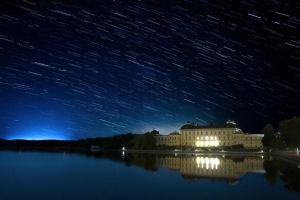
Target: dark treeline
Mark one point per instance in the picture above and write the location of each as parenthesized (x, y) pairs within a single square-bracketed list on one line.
[(285, 136), (129, 141)]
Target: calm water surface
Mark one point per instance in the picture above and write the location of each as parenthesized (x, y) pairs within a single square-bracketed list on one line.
[(111, 175)]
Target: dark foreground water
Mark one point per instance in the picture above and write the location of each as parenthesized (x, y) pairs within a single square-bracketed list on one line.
[(111, 175)]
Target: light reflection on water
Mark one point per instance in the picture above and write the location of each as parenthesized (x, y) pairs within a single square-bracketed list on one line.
[(115, 175), (219, 168)]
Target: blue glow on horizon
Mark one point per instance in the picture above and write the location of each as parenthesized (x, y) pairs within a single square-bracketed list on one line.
[(34, 138), (38, 135)]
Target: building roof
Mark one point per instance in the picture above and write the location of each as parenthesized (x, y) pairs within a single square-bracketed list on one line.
[(154, 131), (257, 135), (189, 125)]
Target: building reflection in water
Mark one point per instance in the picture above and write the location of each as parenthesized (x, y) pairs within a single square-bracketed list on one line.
[(230, 169)]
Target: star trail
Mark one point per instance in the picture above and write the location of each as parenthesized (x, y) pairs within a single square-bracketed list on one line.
[(80, 69)]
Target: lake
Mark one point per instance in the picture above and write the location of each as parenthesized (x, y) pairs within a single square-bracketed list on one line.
[(117, 175)]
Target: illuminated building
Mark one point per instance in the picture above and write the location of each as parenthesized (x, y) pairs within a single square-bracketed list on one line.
[(197, 136), (173, 139)]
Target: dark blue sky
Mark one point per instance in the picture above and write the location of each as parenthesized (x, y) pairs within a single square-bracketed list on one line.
[(79, 69)]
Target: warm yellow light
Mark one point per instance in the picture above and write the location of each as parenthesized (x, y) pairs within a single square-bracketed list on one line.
[(210, 163), (202, 160), (217, 143), (198, 160)]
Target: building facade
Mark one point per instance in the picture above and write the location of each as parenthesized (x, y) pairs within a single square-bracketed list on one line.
[(193, 135), (173, 139)]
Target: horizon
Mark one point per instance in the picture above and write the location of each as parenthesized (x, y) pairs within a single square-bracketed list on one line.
[(149, 131)]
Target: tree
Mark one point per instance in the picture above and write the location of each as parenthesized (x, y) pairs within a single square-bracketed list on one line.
[(150, 141), (139, 142), (144, 142), (290, 132), (277, 143), (268, 132)]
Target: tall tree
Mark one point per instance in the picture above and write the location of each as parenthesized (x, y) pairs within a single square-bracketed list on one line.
[(144, 142), (290, 132), (268, 132), (277, 143)]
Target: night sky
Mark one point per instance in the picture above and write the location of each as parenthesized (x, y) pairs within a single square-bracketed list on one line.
[(85, 69)]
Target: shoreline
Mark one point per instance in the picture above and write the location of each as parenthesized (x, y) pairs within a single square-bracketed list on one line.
[(288, 156), (179, 152)]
